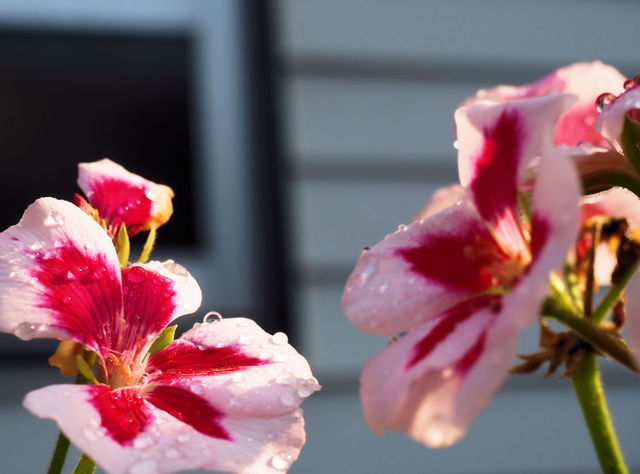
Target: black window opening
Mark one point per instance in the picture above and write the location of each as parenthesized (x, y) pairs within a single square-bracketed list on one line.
[(72, 97)]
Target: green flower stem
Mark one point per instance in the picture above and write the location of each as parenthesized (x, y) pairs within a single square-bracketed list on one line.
[(86, 465), (59, 454), (588, 387), (611, 298), (590, 332)]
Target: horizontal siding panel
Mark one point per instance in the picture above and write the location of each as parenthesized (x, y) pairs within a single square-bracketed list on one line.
[(333, 220), (505, 31), (340, 119)]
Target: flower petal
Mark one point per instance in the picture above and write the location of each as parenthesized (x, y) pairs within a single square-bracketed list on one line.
[(155, 294), (60, 275), (442, 199), (584, 80), (495, 143), (166, 444), (611, 120), (434, 381), (124, 197), (421, 270), (237, 367)]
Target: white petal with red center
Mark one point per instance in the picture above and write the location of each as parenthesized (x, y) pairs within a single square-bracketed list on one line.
[(495, 144), (60, 275), (434, 381), (238, 367), (421, 270), (155, 294), (584, 80), (611, 120), (158, 441), (121, 196)]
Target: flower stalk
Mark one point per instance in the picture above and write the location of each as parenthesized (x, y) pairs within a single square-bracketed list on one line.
[(590, 393)]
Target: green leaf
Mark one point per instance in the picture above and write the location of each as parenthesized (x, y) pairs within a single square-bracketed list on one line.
[(164, 339), (122, 246), (630, 140), (85, 369)]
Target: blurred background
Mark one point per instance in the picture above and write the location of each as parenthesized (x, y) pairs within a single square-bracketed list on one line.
[(293, 133)]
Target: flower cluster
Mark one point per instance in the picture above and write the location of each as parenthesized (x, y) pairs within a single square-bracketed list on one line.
[(224, 396), (454, 288)]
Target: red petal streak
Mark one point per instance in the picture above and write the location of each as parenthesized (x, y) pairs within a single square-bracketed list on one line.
[(123, 412), (446, 326), (540, 231), (469, 359), (495, 181), (120, 201), (149, 302), (189, 408), (184, 359), (468, 260), (81, 290)]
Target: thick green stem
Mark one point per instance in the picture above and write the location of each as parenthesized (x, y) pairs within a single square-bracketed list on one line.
[(59, 454), (86, 465), (588, 387)]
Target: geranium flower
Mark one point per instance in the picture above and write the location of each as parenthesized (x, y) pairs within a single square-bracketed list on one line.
[(585, 81), (459, 285), (224, 396), (121, 197)]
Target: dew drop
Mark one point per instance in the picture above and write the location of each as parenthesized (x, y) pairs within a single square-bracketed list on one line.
[(144, 441), (54, 218), (36, 245), (13, 275), (26, 331), (279, 358), (383, 287), (279, 339), (212, 317), (402, 228), (243, 340), (172, 453), (446, 373), (603, 100), (90, 433), (196, 387), (136, 275), (150, 195), (146, 466), (285, 379), (297, 413), (233, 402), (237, 377), (367, 272), (176, 268), (288, 399), (455, 144), (281, 462), (183, 438), (70, 276)]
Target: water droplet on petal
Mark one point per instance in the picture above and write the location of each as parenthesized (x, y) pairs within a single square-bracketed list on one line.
[(37, 245), (183, 438), (370, 268), (279, 339), (286, 378), (279, 358), (288, 400), (402, 228), (212, 317), (54, 218), (90, 433), (297, 413), (136, 274), (26, 331), (176, 269), (455, 144), (244, 340), (144, 441), (237, 377), (196, 387), (446, 373), (70, 276), (383, 287), (172, 453), (281, 462), (603, 100)]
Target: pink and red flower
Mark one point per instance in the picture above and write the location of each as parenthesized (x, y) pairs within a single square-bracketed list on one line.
[(459, 285), (224, 396), (121, 197)]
